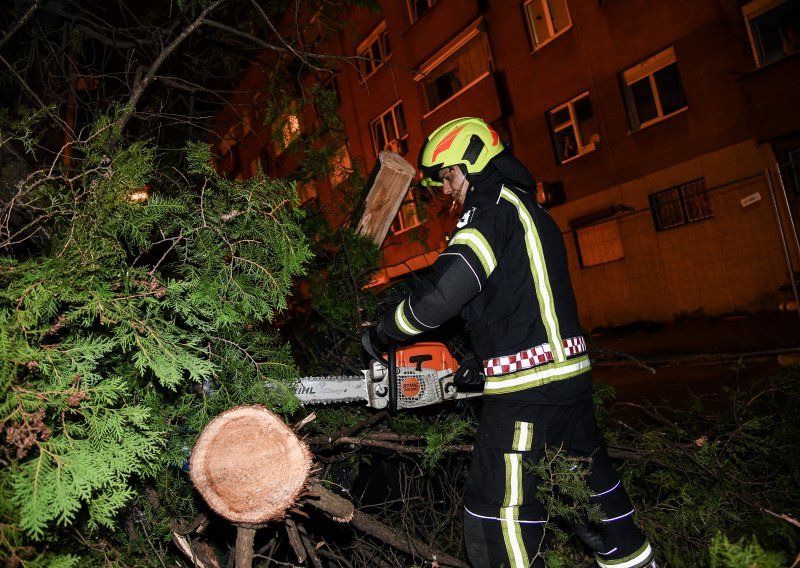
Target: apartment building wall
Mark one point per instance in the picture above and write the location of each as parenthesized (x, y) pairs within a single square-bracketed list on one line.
[(731, 260), (737, 121), (604, 41)]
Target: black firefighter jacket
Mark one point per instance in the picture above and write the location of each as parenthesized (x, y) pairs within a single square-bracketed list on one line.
[(505, 270)]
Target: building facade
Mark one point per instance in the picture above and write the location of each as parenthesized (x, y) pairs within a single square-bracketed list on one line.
[(663, 133)]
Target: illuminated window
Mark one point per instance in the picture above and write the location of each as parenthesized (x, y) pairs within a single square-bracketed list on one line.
[(286, 129), (374, 51), (416, 8), (574, 128), (458, 66), (339, 166), (389, 131), (546, 20), (680, 205), (291, 129), (773, 27), (407, 217), (599, 244), (653, 89)]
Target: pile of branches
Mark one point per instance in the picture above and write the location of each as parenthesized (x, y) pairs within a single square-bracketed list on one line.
[(715, 479), (712, 480)]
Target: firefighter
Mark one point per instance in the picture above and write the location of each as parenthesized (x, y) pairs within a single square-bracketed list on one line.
[(505, 272)]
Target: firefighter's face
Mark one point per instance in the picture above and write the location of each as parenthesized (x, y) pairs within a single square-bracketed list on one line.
[(455, 183)]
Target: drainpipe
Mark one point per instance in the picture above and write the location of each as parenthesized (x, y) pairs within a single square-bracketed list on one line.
[(784, 240)]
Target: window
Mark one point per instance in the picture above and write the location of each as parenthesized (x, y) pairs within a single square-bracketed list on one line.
[(599, 244), (794, 169), (374, 51), (680, 205), (416, 8), (773, 27), (574, 128), (339, 166), (455, 68), (285, 129), (546, 20), (653, 89), (407, 217), (389, 131)]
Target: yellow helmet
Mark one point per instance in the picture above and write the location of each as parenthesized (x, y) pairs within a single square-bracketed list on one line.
[(467, 141)]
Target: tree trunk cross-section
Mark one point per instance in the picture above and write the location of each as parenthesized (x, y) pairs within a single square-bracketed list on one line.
[(249, 466)]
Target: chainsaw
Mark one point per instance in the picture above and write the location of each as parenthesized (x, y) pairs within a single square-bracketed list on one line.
[(410, 377)]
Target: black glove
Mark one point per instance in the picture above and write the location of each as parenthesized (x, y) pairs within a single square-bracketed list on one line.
[(374, 343), (469, 375)]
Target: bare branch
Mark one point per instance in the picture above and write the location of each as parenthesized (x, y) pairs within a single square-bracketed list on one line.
[(231, 30), (141, 85), (21, 22), (111, 42), (35, 97)]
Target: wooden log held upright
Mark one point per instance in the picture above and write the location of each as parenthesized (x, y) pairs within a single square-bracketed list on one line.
[(385, 190), (250, 467)]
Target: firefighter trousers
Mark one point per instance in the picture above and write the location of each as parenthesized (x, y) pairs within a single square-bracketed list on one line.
[(505, 522)]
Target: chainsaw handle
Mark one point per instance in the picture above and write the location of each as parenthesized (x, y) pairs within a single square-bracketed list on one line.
[(370, 349), (391, 364)]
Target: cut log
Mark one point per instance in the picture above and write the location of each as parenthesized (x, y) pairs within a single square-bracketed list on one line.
[(387, 187), (249, 465)]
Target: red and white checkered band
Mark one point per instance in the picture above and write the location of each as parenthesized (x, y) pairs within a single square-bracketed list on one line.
[(574, 345), (532, 357)]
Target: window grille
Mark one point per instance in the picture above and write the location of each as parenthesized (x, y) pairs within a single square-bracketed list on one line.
[(680, 205)]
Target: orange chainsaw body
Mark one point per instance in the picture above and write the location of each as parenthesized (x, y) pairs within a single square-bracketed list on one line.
[(427, 355)]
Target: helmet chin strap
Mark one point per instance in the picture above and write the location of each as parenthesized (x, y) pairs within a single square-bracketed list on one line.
[(455, 202)]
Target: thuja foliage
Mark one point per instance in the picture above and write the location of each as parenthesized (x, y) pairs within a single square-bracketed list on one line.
[(564, 492), (140, 320)]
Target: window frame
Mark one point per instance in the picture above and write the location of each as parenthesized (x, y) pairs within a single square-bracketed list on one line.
[(380, 37), (476, 29), (647, 69), (582, 247), (753, 10), (681, 199), (400, 147), (549, 19), (408, 205), (583, 147), (413, 15)]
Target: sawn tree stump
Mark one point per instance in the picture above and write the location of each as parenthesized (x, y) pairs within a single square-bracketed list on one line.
[(250, 467)]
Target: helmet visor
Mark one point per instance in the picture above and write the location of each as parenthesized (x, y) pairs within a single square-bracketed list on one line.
[(430, 182), (431, 175)]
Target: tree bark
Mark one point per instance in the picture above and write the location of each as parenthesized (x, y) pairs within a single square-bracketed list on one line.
[(245, 536)]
